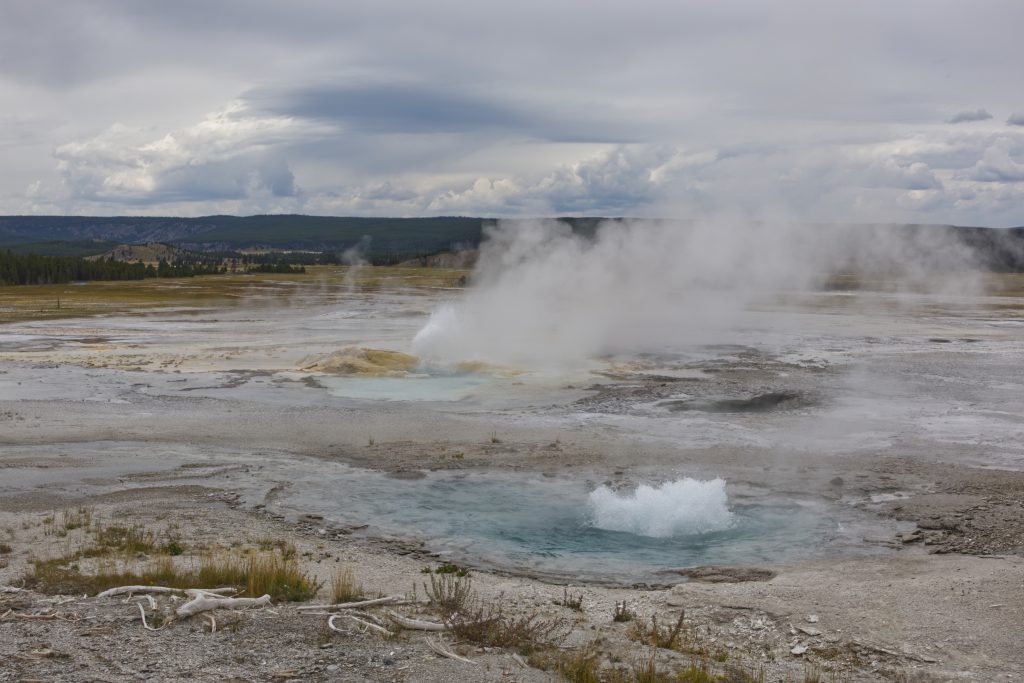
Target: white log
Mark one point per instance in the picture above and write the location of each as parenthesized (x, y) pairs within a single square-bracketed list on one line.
[(205, 604), (414, 624), (390, 600), (441, 649), (142, 613), (365, 624), (121, 590)]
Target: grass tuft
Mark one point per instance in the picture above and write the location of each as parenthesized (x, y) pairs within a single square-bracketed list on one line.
[(344, 587)]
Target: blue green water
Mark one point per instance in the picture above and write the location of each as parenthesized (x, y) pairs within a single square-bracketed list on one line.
[(550, 526)]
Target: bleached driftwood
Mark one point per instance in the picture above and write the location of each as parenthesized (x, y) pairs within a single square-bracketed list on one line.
[(365, 624), (121, 590), (145, 625), (441, 649), (204, 603), (414, 624), (11, 589), (390, 600)]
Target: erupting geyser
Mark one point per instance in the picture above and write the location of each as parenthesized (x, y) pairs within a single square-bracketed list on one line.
[(675, 508)]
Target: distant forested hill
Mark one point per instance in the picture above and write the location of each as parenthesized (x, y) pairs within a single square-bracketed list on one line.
[(391, 239), (315, 233)]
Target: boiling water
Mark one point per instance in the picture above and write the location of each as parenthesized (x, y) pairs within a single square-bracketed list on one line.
[(562, 528)]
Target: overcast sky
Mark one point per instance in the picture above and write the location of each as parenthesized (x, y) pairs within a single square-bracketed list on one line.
[(889, 110)]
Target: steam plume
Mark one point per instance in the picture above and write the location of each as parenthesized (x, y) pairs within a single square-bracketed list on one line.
[(544, 295)]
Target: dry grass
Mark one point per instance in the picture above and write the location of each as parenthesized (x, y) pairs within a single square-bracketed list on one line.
[(260, 574), (255, 575), (40, 302), (102, 556), (490, 626), (344, 587), (584, 665), (678, 636)]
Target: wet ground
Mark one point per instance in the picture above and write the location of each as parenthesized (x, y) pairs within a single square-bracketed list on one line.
[(810, 409)]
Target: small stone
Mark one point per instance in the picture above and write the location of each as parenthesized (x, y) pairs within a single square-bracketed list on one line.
[(333, 667), (810, 630), (799, 649), (812, 618)]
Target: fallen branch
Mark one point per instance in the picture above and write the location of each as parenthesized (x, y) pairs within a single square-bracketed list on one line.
[(121, 590), (365, 624), (142, 613), (213, 623), (35, 617), (414, 624), (390, 600), (441, 649), (204, 603), (11, 589)]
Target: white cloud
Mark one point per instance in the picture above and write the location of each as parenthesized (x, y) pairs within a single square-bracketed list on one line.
[(453, 106), (230, 155)]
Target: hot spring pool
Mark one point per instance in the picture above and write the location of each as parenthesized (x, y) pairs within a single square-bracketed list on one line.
[(563, 528)]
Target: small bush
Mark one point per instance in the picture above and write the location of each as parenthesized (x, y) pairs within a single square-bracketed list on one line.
[(488, 625), (573, 602), (5, 548), (449, 593), (622, 613), (449, 568)]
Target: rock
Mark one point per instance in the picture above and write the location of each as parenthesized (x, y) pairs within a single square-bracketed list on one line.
[(810, 630), (836, 481), (812, 618), (910, 536), (721, 574), (799, 649)]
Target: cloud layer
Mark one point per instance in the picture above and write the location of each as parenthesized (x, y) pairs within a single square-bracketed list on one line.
[(821, 112)]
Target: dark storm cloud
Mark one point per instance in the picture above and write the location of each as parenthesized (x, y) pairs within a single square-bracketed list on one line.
[(969, 116), (413, 109), (390, 108)]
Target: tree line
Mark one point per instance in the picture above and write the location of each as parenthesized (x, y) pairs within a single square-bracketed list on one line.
[(32, 269)]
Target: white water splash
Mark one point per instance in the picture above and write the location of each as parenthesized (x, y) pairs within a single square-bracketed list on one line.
[(681, 507)]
